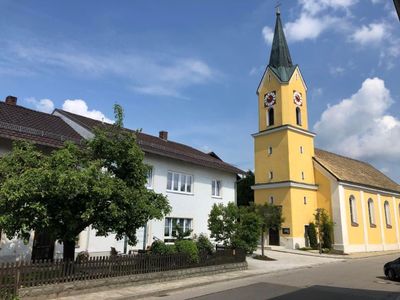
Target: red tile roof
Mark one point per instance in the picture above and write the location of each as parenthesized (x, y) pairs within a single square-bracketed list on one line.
[(20, 123), (166, 148)]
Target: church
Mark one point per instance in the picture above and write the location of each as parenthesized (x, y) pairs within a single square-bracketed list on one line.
[(290, 172)]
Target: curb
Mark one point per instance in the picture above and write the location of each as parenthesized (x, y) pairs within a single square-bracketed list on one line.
[(345, 256)]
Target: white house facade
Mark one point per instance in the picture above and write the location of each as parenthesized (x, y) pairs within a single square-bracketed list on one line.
[(191, 179)]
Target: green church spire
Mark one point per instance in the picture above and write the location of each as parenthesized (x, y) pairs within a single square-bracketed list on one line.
[(280, 61)]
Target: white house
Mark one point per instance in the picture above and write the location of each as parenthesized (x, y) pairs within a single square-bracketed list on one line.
[(191, 179)]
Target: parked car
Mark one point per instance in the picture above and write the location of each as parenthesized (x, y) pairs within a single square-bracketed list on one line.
[(392, 269)]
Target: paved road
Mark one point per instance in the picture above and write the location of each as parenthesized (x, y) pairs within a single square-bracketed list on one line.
[(350, 279)]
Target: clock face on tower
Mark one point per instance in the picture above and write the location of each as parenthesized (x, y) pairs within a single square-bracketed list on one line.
[(297, 98), (269, 99)]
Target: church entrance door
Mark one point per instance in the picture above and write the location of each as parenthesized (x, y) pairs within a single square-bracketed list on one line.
[(273, 237)]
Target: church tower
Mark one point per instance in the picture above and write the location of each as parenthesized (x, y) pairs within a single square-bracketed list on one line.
[(283, 145)]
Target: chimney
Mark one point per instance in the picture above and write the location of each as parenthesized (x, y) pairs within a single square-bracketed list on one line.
[(163, 135), (11, 100)]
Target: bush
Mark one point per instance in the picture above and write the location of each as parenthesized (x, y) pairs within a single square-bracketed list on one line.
[(204, 244), (312, 236), (159, 247), (189, 248), (82, 257), (327, 229)]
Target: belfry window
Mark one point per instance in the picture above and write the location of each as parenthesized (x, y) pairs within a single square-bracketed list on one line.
[(371, 213), (298, 116), (270, 117), (387, 215), (353, 211)]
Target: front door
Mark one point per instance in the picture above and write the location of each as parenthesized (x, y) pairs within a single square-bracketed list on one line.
[(43, 246), (306, 239), (273, 237)]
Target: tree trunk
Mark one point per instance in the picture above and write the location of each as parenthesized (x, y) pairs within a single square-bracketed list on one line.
[(262, 242), (69, 250)]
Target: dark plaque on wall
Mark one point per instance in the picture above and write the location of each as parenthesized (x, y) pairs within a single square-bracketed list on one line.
[(285, 230)]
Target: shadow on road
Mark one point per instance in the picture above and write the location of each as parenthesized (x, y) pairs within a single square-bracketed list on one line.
[(265, 290)]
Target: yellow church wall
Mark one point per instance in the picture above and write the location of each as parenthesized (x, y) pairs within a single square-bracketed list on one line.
[(281, 197), (275, 162), (324, 192), (301, 162), (285, 108), (303, 211), (355, 231), (389, 231), (374, 233)]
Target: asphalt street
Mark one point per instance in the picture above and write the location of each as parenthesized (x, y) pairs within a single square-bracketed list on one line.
[(349, 279)]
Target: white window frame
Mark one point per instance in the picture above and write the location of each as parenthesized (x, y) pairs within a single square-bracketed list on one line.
[(150, 174), (371, 212), (171, 223), (216, 190), (353, 210), (386, 208), (177, 184)]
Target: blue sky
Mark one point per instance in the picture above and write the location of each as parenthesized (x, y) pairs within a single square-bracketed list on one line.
[(192, 68)]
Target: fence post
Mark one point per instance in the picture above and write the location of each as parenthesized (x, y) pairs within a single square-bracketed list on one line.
[(17, 276)]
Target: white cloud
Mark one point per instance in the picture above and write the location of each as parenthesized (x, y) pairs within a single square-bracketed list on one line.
[(170, 74), (372, 33), (44, 105), (268, 34), (79, 107), (308, 27), (361, 126), (338, 70), (315, 6)]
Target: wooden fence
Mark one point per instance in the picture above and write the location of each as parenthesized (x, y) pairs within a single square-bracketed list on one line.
[(14, 276)]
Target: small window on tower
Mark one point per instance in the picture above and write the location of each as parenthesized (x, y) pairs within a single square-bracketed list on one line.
[(298, 116), (271, 199), (305, 200), (301, 149), (269, 150), (270, 117), (302, 175), (271, 175)]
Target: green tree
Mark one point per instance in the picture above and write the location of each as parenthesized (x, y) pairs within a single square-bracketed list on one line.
[(180, 234), (312, 235), (271, 218), (324, 226), (245, 194), (234, 227), (100, 183)]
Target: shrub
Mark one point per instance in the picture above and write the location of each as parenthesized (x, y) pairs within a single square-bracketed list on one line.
[(189, 248), (312, 236), (82, 256), (204, 244), (327, 229), (159, 247)]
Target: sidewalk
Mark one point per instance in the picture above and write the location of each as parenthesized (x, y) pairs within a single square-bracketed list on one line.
[(315, 253), (284, 261)]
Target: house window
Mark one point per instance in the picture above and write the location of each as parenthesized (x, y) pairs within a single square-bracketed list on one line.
[(301, 150), (271, 199), (371, 213), (179, 182), (305, 200), (298, 116), (302, 175), (216, 188), (170, 225), (270, 119), (149, 179), (387, 214), (353, 211), (271, 175), (269, 150)]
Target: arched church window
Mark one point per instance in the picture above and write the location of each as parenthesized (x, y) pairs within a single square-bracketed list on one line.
[(298, 116), (371, 212), (353, 211), (270, 117), (387, 214)]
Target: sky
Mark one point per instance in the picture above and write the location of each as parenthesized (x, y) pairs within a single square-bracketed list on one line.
[(192, 68)]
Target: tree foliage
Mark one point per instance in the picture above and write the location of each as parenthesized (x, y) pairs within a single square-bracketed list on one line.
[(312, 235), (234, 227), (324, 225), (270, 217), (245, 194), (100, 183)]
